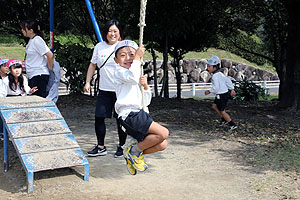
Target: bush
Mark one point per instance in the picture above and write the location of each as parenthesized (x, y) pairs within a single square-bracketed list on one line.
[(249, 91), (74, 59)]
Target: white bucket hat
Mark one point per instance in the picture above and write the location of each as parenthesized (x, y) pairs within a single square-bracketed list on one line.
[(126, 43), (213, 60)]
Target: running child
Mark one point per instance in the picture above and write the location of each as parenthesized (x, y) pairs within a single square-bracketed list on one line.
[(221, 85), (16, 84), (138, 123)]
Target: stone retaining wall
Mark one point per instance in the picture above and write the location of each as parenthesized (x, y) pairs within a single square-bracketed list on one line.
[(194, 71)]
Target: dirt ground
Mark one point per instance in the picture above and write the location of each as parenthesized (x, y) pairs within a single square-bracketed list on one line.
[(202, 161)]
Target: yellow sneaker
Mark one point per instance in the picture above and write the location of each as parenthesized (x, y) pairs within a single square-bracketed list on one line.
[(130, 167), (138, 162)]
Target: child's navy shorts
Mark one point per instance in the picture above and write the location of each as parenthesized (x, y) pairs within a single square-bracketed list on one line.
[(221, 100), (137, 124), (105, 104)]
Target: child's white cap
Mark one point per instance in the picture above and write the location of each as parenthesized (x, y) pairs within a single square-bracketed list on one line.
[(213, 60), (126, 43)]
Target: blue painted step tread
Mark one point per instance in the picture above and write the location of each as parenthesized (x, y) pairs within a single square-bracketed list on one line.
[(54, 159), (38, 128), (31, 115), (46, 143), (25, 102)]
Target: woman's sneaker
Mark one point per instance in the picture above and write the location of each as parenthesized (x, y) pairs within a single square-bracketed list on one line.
[(97, 151), (119, 152)]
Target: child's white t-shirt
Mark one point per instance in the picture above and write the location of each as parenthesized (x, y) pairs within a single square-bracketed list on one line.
[(100, 54), (220, 83), (18, 90), (129, 96), (36, 60)]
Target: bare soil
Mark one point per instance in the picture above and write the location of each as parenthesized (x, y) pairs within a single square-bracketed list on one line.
[(259, 160)]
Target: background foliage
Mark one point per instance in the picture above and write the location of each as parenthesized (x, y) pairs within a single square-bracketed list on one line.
[(248, 91)]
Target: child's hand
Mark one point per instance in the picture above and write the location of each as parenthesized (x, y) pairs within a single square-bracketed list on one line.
[(139, 52), (33, 90), (232, 93), (143, 82), (207, 92)]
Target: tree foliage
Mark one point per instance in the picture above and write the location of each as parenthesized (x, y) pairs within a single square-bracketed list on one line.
[(258, 30), (248, 91), (74, 59)]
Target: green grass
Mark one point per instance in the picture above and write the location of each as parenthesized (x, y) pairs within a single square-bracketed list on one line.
[(12, 51)]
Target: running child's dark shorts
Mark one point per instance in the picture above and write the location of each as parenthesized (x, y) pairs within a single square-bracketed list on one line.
[(221, 100), (137, 124)]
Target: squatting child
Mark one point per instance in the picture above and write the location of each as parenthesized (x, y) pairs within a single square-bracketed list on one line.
[(15, 84), (150, 135), (221, 85)]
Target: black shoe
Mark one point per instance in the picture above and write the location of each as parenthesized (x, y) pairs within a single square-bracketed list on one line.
[(223, 123), (231, 128), (119, 152), (97, 151)]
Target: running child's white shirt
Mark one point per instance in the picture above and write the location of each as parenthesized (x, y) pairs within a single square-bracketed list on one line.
[(100, 54), (220, 83), (36, 60), (129, 96), (18, 91)]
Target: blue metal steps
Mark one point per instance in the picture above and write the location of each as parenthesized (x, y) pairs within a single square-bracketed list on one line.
[(40, 136)]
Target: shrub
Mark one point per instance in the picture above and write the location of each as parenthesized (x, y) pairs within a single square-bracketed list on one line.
[(249, 91), (74, 59)]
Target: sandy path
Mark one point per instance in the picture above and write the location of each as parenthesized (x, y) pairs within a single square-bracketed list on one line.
[(192, 167)]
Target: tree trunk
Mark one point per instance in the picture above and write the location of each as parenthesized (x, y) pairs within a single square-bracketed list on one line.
[(177, 57), (290, 94), (154, 72), (166, 71), (178, 79)]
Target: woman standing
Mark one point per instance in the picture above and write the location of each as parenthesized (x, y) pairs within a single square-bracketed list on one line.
[(103, 57), (39, 58)]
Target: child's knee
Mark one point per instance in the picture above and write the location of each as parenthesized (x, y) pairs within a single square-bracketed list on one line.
[(223, 112), (214, 106), (165, 133), (163, 145)]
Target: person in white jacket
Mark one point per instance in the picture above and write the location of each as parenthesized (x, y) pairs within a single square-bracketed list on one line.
[(150, 135), (221, 85)]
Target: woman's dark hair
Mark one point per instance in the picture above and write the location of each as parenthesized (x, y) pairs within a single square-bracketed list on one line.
[(108, 24), (12, 83), (32, 24)]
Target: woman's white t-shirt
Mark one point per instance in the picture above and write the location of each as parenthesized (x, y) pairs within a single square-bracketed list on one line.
[(36, 60), (101, 52)]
